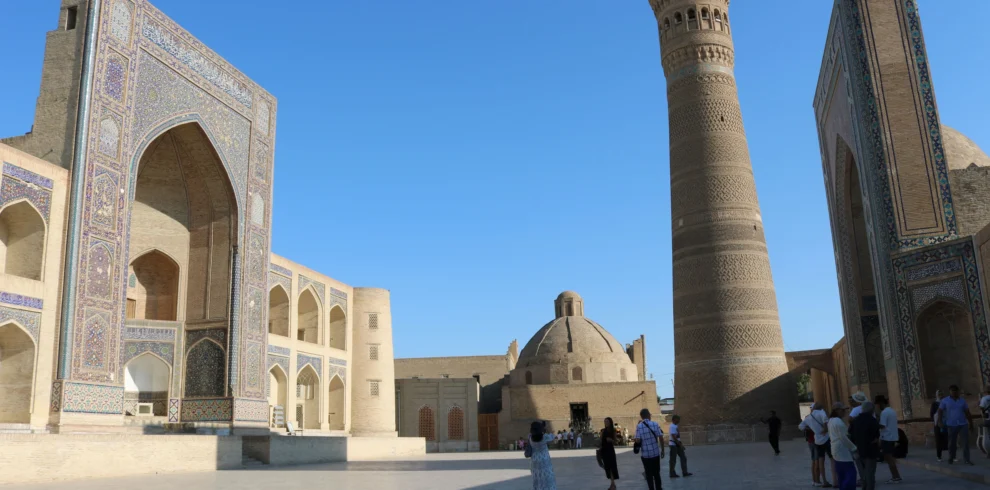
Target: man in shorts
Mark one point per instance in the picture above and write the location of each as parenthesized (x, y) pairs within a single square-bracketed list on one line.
[(816, 422)]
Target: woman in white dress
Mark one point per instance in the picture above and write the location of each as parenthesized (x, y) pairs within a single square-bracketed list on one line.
[(540, 465)]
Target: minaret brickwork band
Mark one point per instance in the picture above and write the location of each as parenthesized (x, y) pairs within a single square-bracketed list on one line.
[(729, 355)]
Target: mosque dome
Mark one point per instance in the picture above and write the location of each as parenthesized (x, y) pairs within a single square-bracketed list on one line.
[(571, 340), (961, 152)]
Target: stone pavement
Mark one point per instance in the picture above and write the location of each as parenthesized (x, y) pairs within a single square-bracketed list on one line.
[(741, 466), (923, 457)]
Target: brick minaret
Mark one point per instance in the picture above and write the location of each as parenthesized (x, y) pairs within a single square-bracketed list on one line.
[(729, 355)]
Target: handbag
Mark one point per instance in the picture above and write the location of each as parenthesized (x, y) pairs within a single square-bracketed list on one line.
[(598, 452), (528, 452)]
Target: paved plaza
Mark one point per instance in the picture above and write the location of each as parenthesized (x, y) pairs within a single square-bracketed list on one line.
[(743, 466)]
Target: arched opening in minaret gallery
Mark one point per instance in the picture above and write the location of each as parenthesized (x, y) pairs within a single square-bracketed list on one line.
[(861, 262), (183, 233)]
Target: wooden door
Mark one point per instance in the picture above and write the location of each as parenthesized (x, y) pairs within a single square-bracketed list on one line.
[(488, 431)]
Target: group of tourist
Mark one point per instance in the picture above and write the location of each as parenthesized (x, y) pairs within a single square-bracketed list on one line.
[(649, 445), (853, 440), (856, 439)]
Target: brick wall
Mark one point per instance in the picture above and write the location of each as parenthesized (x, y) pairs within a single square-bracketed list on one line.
[(489, 371)]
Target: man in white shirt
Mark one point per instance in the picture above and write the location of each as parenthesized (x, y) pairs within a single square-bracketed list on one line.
[(677, 448), (816, 421), (985, 409), (888, 437)]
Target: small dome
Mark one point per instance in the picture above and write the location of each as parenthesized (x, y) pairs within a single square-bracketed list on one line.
[(571, 339), (569, 294), (960, 151)]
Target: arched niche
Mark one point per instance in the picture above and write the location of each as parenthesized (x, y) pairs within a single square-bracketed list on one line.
[(308, 398), (308, 317), (335, 403), (278, 387), (205, 370), (278, 311), (427, 423), (17, 351), (155, 290), (146, 380), (184, 206), (338, 328), (947, 345), (22, 240)]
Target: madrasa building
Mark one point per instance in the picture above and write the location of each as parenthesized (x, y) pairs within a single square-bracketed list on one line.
[(138, 290), (571, 371)]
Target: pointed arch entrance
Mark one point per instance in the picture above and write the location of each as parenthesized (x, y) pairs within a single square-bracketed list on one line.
[(278, 311), (948, 349), (22, 240), (278, 387), (146, 380), (184, 208), (338, 328), (308, 398), (308, 319), (16, 374)]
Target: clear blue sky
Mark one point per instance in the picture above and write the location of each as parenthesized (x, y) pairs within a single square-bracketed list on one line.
[(478, 158)]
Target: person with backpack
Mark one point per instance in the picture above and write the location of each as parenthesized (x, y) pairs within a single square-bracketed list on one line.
[(817, 421)]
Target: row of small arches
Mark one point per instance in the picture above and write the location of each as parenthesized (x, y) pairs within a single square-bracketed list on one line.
[(710, 19)]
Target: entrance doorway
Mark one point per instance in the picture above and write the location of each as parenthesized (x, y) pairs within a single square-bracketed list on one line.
[(579, 415)]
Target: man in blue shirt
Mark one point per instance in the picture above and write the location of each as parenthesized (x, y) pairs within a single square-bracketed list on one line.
[(955, 417), (650, 438)]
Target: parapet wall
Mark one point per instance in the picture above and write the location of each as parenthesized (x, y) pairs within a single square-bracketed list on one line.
[(38, 458), (35, 458)]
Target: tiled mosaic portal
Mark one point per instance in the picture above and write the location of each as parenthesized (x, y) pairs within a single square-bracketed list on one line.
[(151, 75)]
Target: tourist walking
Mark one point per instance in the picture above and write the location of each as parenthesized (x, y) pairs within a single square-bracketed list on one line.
[(577, 439), (843, 450), (817, 422), (773, 423), (677, 448), (539, 464), (570, 439), (888, 437), (955, 417), (864, 430), (985, 410), (939, 430), (607, 452), (649, 442)]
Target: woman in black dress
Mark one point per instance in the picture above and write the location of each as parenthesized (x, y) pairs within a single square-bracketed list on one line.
[(608, 452)]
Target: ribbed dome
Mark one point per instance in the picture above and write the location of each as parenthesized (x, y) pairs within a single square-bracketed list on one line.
[(960, 151), (571, 339)]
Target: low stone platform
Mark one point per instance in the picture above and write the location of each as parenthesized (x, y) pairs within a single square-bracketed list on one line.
[(30, 458)]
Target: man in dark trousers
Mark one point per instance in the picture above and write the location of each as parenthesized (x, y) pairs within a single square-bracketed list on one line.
[(864, 432), (774, 423)]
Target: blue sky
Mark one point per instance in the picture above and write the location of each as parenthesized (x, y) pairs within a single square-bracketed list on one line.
[(477, 158)]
